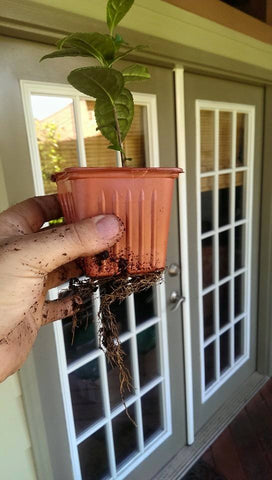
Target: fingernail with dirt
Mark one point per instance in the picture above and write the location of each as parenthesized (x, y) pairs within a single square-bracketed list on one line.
[(109, 226)]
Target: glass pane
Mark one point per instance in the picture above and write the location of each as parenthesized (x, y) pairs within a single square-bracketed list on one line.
[(93, 457), (113, 377), (119, 310), (224, 247), (241, 148), (224, 301), (84, 339), (239, 247), (125, 436), (207, 189), (148, 354), (207, 140), (86, 395), (96, 145), (224, 351), (225, 139), (97, 153), (240, 196), (238, 340), (224, 199), (134, 144), (208, 313), (144, 305), (207, 261), (152, 412), (209, 354), (56, 135), (239, 295)]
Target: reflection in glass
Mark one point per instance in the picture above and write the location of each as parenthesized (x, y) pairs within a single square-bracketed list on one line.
[(125, 436), (224, 246), (209, 354), (239, 295), (144, 305), (224, 199), (208, 314), (225, 139), (148, 354), (96, 144), (207, 261), (113, 376), (224, 351), (207, 188), (93, 457), (152, 412), (239, 247), (224, 303), (83, 340), (241, 152), (207, 140), (240, 196), (118, 309), (56, 135), (86, 395), (238, 340)]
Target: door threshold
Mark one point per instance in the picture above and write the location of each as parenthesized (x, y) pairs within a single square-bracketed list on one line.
[(188, 455)]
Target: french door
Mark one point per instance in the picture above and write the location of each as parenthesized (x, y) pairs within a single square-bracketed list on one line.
[(224, 149), (82, 431)]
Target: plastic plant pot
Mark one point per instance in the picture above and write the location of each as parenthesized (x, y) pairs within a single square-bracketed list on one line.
[(140, 197)]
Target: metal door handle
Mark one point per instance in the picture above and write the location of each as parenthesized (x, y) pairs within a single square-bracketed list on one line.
[(176, 299)]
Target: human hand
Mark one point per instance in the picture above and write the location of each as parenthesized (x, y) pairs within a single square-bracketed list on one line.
[(32, 261)]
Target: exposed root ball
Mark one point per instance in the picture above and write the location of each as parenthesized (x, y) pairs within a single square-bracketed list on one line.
[(113, 289)]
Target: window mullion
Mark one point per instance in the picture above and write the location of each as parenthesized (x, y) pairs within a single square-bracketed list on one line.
[(216, 240), (232, 241), (79, 133)]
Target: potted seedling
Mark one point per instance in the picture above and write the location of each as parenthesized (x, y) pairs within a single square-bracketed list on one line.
[(140, 197)]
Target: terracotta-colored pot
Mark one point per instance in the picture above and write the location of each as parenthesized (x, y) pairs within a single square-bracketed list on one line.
[(141, 197)]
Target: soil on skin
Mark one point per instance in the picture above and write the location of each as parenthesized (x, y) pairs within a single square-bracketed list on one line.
[(112, 289)]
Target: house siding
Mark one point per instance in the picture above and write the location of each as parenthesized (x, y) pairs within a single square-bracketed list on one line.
[(16, 457), (168, 22)]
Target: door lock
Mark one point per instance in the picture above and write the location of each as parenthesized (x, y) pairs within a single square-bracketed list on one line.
[(176, 300), (173, 270)]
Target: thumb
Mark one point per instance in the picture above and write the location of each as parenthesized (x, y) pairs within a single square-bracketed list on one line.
[(47, 250)]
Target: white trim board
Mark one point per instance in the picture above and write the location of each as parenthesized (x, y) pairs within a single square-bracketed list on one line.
[(184, 251)]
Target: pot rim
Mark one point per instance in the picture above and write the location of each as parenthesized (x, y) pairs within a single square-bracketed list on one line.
[(74, 173)]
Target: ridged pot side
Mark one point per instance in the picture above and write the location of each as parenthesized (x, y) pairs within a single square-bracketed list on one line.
[(142, 201)]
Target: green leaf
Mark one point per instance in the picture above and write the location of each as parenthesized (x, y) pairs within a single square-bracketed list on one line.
[(97, 45), (98, 82), (127, 52), (135, 73), (65, 52), (116, 10), (105, 117)]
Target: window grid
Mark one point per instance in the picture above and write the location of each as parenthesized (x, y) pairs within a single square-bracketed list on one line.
[(234, 364), (135, 398)]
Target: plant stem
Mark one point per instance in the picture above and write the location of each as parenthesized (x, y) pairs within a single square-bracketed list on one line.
[(123, 157)]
